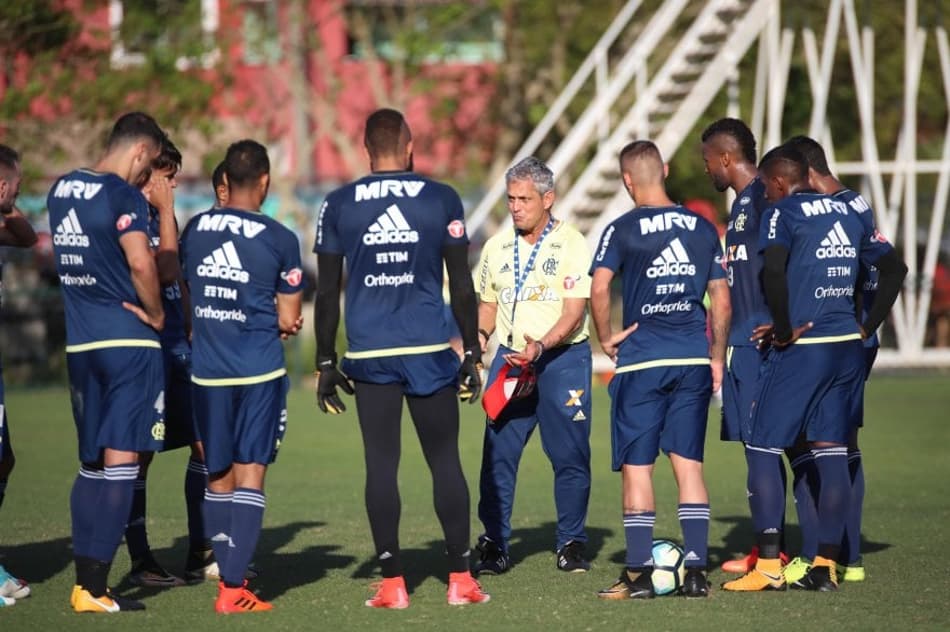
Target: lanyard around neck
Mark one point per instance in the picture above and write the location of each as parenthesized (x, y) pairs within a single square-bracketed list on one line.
[(521, 277)]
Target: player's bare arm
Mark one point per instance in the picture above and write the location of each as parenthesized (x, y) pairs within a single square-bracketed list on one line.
[(600, 313), (289, 318), (161, 195), (720, 314), (486, 322), (144, 279), (16, 230)]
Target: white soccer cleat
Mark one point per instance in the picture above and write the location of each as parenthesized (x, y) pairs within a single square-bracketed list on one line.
[(11, 587)]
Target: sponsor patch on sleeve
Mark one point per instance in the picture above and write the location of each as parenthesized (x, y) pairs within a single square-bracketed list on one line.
[(123, 222), (456, 228), (293, 277)]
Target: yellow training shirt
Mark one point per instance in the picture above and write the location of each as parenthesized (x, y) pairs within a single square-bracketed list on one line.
[(559, 272)]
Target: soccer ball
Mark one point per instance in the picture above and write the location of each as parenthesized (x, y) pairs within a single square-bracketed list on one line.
[(668, 569)]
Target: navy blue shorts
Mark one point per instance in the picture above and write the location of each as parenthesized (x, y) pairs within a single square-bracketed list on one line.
[(738, 390), (662, 408), (180, 429), (420, 374), (117, 398), (810, 389), (241, 424)]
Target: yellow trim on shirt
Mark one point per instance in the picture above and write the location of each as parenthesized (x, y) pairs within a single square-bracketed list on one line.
[(395, 351), (239, 381), (107, 344), (822, 339), (652, 364)]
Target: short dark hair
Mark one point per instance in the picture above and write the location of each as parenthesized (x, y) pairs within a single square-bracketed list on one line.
[(169, 158), (386, 132), (789, 160), (134, 126), (812, 151), (738, 131), (9, 158), (640, 149), (217, 176), (245, 162)]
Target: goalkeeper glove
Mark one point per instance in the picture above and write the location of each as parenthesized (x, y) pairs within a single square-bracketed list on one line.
[(328, 378), (470, 376)]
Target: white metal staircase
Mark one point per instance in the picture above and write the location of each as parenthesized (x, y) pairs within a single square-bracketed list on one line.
[(666, 107)]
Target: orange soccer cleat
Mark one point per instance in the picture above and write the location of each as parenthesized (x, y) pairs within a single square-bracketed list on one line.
[(390, 593), (463, 589), (240, 599)]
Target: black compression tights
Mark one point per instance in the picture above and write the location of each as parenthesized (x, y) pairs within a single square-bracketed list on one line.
[(436, 418)]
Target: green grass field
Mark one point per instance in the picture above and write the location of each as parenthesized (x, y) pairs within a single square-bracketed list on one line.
[(316, 554)]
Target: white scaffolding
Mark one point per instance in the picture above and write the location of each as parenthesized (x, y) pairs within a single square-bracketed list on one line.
[(705, 60)]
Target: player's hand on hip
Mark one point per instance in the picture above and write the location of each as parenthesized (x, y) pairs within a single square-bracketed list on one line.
[(611, 346), (762, 335), (796, 334), (328, 378), (142, 315), (470, 377)]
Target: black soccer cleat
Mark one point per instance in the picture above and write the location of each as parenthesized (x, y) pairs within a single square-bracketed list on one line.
[(695, 584), (570, 558), (492, 560), (819, 579)]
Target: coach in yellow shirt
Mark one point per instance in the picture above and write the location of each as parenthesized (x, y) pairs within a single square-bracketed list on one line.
[(533, 286)]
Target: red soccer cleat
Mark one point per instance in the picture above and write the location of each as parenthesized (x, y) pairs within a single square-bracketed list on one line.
[(240, 599), (463, 589), (390, 593)]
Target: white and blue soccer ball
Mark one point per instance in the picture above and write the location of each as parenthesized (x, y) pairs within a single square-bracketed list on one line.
[(668, 567)]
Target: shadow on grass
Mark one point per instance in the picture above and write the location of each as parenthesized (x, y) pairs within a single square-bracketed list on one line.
[(38, 561), (429, 560), (279, 571), (542, 539)]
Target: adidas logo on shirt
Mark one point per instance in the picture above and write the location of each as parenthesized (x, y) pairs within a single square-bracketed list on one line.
[(672, 261), (223, 263), (69, 232), (390, 228), (836, 244)]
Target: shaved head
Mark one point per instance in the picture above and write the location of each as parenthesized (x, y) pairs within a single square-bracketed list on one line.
[(784, 171), (387, 133), (642, 164), (786, 162)]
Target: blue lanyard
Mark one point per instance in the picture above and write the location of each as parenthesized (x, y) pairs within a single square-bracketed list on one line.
[(520, 278)]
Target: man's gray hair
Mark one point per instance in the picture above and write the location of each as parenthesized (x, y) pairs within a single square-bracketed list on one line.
[(531, 168)]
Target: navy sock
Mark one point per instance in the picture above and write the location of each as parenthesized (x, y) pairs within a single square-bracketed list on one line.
[(851, 546), (217, 517), (136, 537), (247, 515), (694, 521), (638, 529), (112, 510), (3, 489), (83, 508), (832, 465), (806, 488), (766, 488), (196, 479)]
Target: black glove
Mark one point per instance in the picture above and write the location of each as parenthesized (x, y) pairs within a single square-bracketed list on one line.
[(328, 378), (470, 376)]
